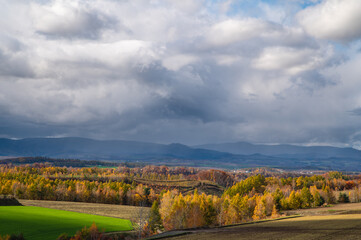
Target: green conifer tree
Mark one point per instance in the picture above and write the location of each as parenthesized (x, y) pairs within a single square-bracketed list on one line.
[(155, 220)]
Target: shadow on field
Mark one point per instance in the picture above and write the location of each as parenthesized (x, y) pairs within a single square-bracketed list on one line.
[(336, 227), (8, 200)]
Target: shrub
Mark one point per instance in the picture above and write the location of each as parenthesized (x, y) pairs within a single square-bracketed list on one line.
[(343, 198), (12, 237)]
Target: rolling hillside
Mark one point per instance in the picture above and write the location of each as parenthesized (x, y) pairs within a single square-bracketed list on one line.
[(284, 150), (227, 155), (82, 148)]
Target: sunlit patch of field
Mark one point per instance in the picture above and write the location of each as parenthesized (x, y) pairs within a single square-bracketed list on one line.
[(45, 223), (342, 208)]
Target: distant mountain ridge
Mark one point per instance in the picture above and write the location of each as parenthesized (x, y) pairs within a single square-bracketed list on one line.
[(284, 150), (225, 155), (83, 148)]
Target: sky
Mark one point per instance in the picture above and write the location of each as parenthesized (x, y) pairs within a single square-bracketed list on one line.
[(190, 71)]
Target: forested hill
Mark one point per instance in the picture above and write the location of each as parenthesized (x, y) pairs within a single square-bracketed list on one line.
[(230, 155), (284, 150), (57, 162), (83, 148)]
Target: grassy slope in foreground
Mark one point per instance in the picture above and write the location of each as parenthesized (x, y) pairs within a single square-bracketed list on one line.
[(44, 223)]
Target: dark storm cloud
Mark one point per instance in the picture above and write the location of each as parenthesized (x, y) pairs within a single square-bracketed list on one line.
[(176, 71), (12, 58), (356, 111), (312, 81), (14, 66)]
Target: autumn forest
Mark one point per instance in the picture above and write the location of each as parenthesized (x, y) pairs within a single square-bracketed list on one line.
[(182, 197)]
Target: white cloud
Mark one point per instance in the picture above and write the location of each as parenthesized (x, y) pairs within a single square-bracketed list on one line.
[(126, 52), (227, 60), (289, 60), (232, 31), (178, 61), (189, 6), (70, 19), (338, 20)]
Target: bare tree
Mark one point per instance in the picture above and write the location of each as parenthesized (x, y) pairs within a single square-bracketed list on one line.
[(141, 219)]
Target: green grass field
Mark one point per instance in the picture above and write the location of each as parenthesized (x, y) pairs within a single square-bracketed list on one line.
[(44, 223)]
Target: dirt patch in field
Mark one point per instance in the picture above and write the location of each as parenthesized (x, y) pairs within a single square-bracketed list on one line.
[(109, 210)]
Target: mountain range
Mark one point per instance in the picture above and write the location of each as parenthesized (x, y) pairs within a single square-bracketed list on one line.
[(224, 155), (284, 150)]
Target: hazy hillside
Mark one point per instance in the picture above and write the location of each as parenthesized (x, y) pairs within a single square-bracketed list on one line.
[(228, 155), (284, 150), (83, 148)]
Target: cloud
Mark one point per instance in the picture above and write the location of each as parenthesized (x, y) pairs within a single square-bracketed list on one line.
[(13, 58), (356, 111), (70, 19), (273, 13), (178, 61), (169, 71), (335, 20), (188, 6), (291, 60), (232, 31)]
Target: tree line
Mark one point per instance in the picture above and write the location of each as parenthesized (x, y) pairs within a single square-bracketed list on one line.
[(253, 197)]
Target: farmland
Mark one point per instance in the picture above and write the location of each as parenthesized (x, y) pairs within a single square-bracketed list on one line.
[(308, 227), (108, 210), (181, 198), (342, 208), (341, 221), (44, 223)]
